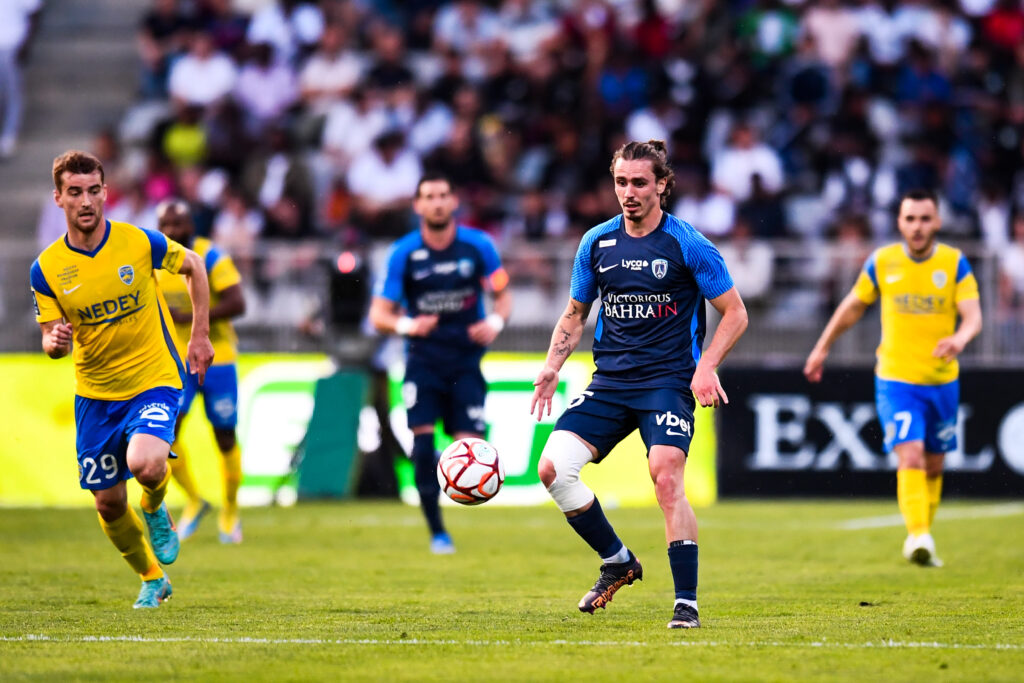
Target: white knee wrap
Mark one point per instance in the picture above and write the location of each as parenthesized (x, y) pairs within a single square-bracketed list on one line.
[(568, 454)]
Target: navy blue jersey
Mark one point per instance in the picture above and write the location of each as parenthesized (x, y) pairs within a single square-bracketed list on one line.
[(447, 283), (651, 322)]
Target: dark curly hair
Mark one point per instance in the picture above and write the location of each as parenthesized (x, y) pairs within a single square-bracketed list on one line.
[(655, 152)]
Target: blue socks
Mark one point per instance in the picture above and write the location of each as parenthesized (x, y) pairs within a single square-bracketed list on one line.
[(682, 558), (594, 528), (424, 458)]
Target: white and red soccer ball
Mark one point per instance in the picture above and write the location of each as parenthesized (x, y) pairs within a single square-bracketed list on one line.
[(470, 471)]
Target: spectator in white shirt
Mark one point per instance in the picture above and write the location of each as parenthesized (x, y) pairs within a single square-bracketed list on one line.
[(204, 75), (331, 72), (266, 89), (293, 27), (382, 181), (734, 167)]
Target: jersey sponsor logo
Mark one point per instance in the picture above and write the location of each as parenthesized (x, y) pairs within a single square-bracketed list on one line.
[(634, 264), (939, 278), (674, 425), (446, 302), (606, 243), (639, 306), (109, 310), (127, 274), (603, 269), (659, 267), (445, 267), (919, 304), (68, 291)]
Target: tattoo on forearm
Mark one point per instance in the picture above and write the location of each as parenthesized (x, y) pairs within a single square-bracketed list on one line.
[(561, 345)]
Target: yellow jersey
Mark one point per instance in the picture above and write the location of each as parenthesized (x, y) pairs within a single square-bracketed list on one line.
[(221, 272), (919, 307), (121, 339)]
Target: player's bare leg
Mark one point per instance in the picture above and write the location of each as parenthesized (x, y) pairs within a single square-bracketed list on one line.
[(667, 466), (912, 496), (147, 459)]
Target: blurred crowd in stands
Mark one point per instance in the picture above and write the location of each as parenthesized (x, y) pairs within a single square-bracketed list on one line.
[(787, 120)]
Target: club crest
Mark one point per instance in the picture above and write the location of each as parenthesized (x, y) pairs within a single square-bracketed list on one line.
[(939, 278), (659, 267), (127, 274)]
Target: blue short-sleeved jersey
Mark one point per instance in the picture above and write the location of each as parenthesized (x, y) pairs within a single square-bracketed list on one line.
[(651, 322), (447, 283)]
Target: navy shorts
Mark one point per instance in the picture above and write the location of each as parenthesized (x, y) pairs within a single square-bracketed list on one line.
[(604, 417), (220, 395), (918, 412), (456, 397), (105, 427)]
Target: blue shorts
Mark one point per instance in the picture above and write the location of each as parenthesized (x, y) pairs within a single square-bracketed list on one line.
[(220, 395), (456, 397), (105, 427), (917, 412), (604, 417)]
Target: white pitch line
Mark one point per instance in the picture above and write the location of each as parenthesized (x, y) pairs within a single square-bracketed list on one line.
[(870, 645), (977, 512)]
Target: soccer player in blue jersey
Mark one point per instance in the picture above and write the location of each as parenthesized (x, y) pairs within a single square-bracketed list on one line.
[(433, 294), (652, 273), (922, 286), (220, 389), (96, 297)]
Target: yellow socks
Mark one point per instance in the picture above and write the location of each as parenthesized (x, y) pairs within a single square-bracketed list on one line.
[(182, 474), (152, 497), (912, 495), (127, 536), (934, 496), (231, 470)]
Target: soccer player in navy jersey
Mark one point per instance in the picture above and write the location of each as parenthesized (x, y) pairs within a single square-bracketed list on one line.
[(652, 273), (433, 294)]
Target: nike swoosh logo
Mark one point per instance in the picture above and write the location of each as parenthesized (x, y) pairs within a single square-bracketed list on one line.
[(893, 278), (155, 426), (674, 433), (602, 269), (68, 291)]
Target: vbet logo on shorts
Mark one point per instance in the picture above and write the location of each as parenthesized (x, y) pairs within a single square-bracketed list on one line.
[(674, 425), (155, 412)]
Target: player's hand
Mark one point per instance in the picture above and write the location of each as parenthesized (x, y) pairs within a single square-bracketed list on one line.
[(544, 389), (200, 356), (815, 366), (707, 388), (948, 348), (422, 325), (483, 332), (59, 339)]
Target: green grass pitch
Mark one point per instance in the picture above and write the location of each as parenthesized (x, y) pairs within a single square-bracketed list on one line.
[(807, 590)]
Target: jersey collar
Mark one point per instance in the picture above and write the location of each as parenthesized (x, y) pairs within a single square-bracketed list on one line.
[(935, 246), (95, 251)]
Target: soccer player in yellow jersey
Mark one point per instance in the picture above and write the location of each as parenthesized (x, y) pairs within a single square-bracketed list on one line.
[(96, 297), (220, 390), (923, 286)]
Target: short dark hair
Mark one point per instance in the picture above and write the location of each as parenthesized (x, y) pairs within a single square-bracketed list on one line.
[(434, 176), (654, 151), (74, 161), (920, 194)]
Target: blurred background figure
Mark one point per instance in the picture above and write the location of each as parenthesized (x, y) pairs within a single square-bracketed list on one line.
[(16, 21)]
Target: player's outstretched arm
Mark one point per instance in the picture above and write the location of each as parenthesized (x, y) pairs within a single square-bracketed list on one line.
[(56, 338), (850, 310), (705, 384), (950, 347), (564, 340), (386, 317), (200, 350)]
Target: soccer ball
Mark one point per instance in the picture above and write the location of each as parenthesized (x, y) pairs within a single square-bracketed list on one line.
[(470, 471)]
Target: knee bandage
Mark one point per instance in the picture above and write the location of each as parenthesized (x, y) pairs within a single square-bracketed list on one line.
[(568, 455)]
